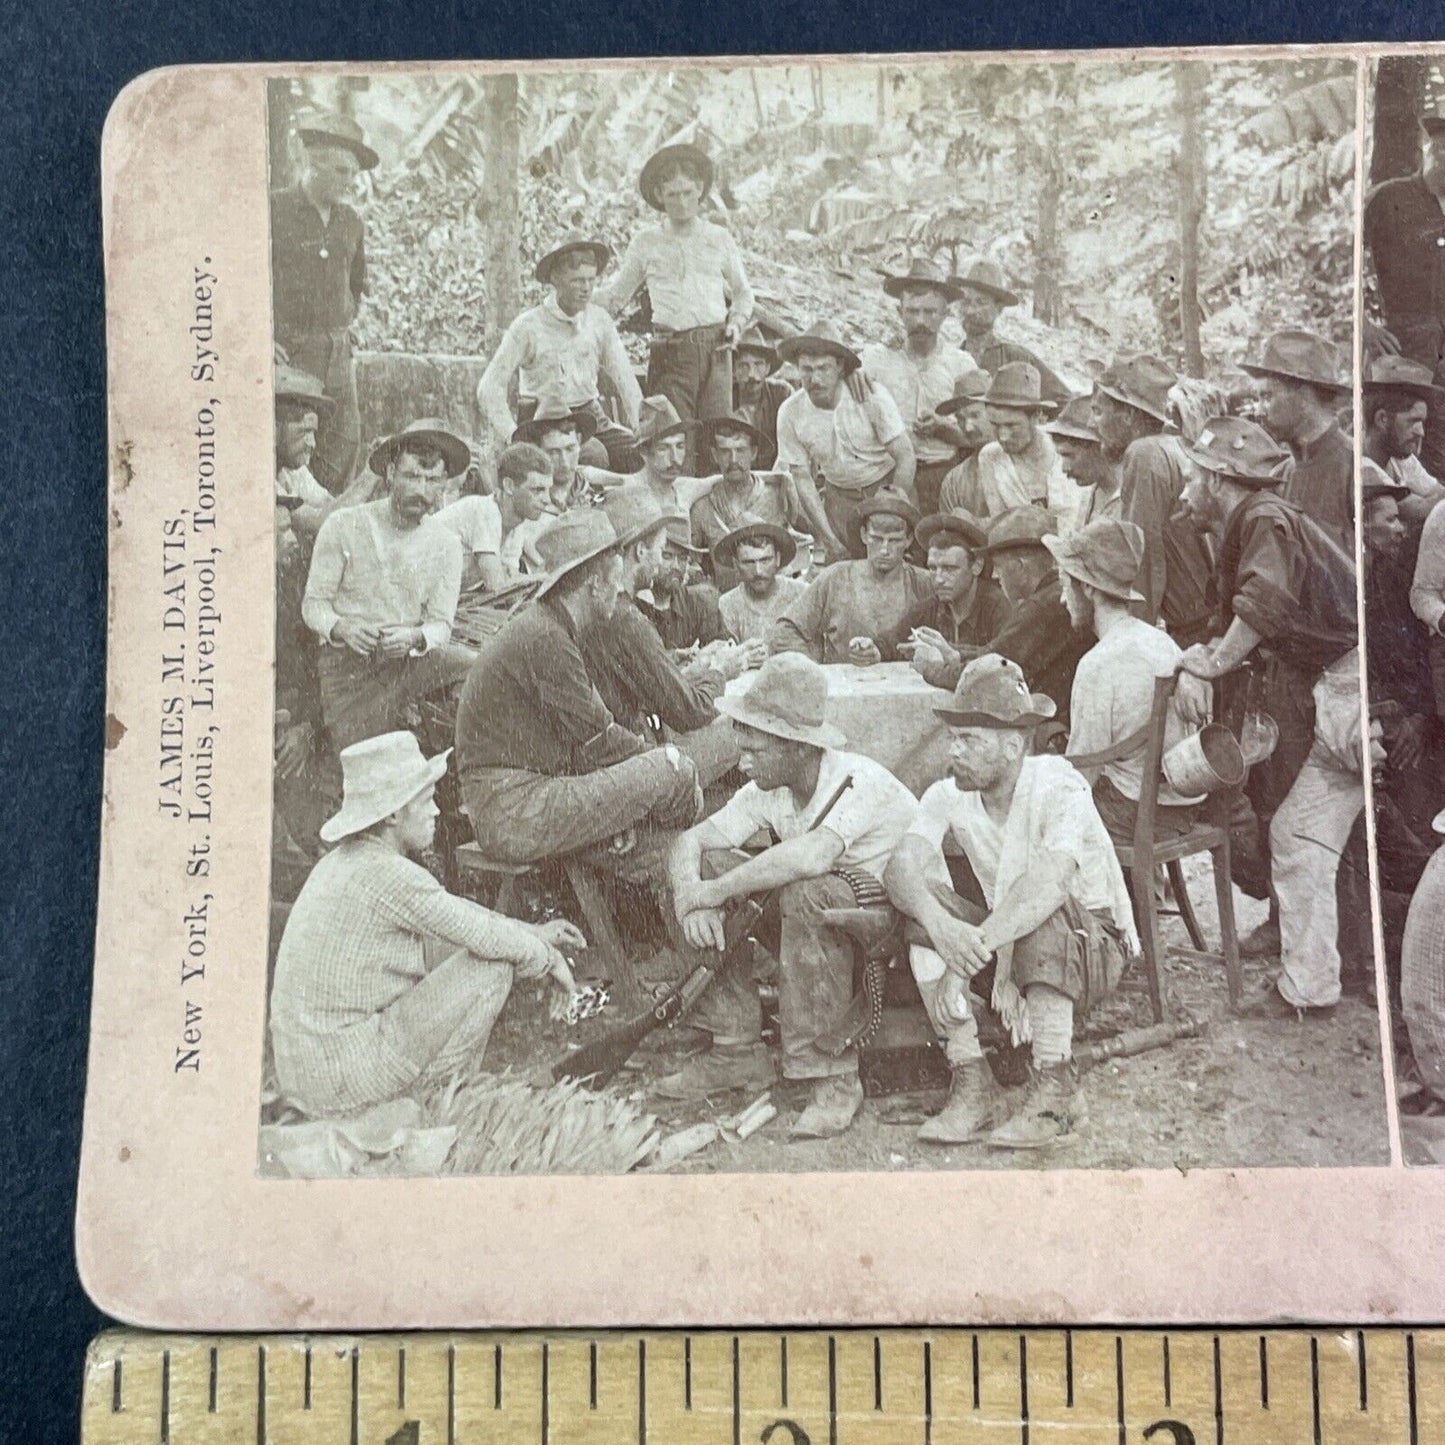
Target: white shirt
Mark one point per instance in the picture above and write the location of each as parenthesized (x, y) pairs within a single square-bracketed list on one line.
[(1427, 592), (299, 482), (694, 276), (847, 445), (746, 618), (918, 386), (477, 522), (870, 818)]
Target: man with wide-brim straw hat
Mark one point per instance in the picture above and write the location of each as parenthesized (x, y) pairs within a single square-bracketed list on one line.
[(1082, 457), (983, 295), (1051, 921), (921, 373), (381, 594), (1287, 607), (1400, 398), (1020, 467), (1113, 694), (1132, 415), (563, 353), (729, 446), (797, 765), (1303, 384), (858, 611), (841, 437), (544, 767), (757, 391), (698, 292), (359, 1016), (318, 277), (756, 554), (967, 610), (301, 404)]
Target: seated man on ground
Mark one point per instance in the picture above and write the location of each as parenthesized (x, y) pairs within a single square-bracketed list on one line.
[(495, 531), (562, 435), (544, 768), (362, 1011), (858, 611), (793, 759), (1113, 694), (756, 553), (382, 591), (685, 613), (301, 406), (967, 608), (1056, 923)]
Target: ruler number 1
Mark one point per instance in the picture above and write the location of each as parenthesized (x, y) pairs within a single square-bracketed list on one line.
[(410, 1434)]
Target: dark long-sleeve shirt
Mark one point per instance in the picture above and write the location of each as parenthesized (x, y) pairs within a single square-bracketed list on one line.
[(1396, 643), (318, 272), (1405, 236), (1041, 639), (1175, 577), (971, 634), (636, 678), (530, 703), (690, 619), (1321, 484), (1285, 577)]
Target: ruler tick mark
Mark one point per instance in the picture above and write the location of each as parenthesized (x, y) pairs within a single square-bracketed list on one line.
[(1410, 1390), (306, 1382), (165, 1397), (211, 1388), (401, 1378), (1069, 1368), (261, 1395), (927, 1393), (1119, 1385), (783, 1368), (451, 1395), (355, 1396), (1263, 1373), (1168, 1377), (642, 1392), (737, 1394), (546, 1394), (497, 1377), (975, 1372), (832, 1391), (592, 1375), (877, 1373), (1364, 1370), (687, 1373), (1218, 1396), (1024, 1389), (1315, 1386), (115, 1389)]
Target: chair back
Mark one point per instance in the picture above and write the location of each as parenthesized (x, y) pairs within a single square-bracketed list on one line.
[(1152, 763)]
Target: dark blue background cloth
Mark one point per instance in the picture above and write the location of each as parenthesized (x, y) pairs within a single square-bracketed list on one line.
[(61, 69)]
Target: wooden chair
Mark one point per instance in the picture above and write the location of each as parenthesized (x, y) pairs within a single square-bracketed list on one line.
[(1141, 858)]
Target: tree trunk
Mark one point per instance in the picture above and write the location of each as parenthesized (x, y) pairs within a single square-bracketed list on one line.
[(500, 208), (1399, 87), (1189, 106), (1048, 265)]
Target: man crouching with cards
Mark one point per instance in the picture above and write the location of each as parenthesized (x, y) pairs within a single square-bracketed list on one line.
[(1056, 922), (837, 817)]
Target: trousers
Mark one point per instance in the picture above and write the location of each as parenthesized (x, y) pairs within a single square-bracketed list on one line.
[(363, 696), (694, 371), (840, 504), (520, 816), (815, 979), (928, 483)]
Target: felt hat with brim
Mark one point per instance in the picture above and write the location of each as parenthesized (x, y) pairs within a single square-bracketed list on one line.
[(573, 540), (1301, 356), (634, 512), (334, 129), (1239, 451), (1400, 374), (787, 699), (690, 157), (969, 388), (1019, 527), (679, 534), (992, 693), (657, 418), (725, 549), (921, 275), (709, 429), (1140, 381), (1075, 422), (987, 277), (822, 338), (886, 502), (549, 416), (293, 384), (1017, 386), (1375, 482), (573, 244), (428, 431), (944, 529), (378, 776), (753, 340), (1107, 554)]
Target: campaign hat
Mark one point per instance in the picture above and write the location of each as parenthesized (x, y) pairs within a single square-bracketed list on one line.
[(692, 157), (1075, 421), (1301, 356), (711, 426), (921, 273), (1018, 528), (572, 242), (725, 549), (1018, 386), (657, 418), (634, 512), (753, 340), (986, 276), (787, 698), (1107, 554), (573, 540), (1399, 373), (431, 430), (1239, 450), (330, 128), (822, 338), (991, 693), (948, 526), (550, 414), (972, 386), (1141, 381), (378, 776), (885, 502), (293, 384)]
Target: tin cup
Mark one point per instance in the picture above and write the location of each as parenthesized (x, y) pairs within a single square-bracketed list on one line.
[(1205, 762)]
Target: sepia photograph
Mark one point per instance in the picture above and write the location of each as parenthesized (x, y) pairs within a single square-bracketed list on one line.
[(816, 617)]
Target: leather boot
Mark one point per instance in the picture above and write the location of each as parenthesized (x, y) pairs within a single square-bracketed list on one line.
[(1262, 941), (720, 1070), (834, 1105), (973, 1105), (1051, 1108)]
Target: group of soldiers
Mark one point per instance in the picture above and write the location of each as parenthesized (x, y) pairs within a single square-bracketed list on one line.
[(1040, 558)]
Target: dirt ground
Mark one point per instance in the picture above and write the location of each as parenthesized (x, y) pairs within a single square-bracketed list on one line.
[(1246, 1092)]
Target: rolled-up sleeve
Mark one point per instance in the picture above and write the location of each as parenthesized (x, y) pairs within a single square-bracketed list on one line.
[(440, 608), (328, 562)]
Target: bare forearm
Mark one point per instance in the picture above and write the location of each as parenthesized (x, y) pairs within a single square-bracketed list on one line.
[(810, 856), (907, 880)]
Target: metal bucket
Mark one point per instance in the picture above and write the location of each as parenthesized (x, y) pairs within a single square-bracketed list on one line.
[(1204, 762)]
